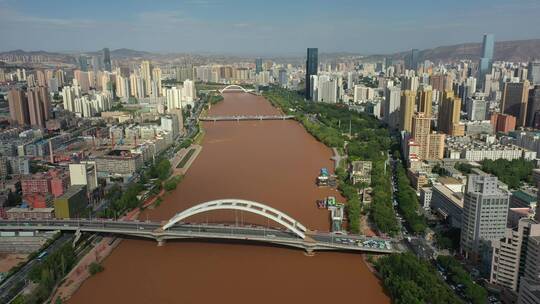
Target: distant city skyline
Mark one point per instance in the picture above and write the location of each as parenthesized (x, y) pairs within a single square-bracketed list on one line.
[(255, 27)]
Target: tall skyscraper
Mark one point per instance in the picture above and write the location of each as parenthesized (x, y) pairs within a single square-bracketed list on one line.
[(424, 101), (156, 78), (533, 108), (533, 72), (83, 63), (392, 102), (484, 67), (488, 46), (146, 76), (107, 60), (37, 106), (485, 213), (407, 108), (312, 66), (411, 61), (515, 99), (421, 127), (258, 65), (18, 107), (449, 111)]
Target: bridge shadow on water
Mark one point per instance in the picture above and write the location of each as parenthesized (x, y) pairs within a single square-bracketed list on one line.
[(210, 241)]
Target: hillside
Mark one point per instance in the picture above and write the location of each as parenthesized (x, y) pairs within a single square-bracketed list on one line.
[(518, 50)]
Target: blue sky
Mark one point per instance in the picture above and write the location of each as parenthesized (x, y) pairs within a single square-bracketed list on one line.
[(257, 27)]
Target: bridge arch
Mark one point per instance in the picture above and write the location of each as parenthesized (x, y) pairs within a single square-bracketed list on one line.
[(242, 205), (234, 87)]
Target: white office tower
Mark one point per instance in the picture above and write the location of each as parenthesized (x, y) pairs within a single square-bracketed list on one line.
[(470, 87), (173, 97), (189, 93), (314, 86), (85, 174), (122, 87), (68, 97), (327, 89), (392, 102), (156, 78), (508, 262), (477, 107), (171, 124), (485, 213)]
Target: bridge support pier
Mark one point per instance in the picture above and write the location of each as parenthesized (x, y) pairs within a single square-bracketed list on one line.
[(160, 242), (310, 251)]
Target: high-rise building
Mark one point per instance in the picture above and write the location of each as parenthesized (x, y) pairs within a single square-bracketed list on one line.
[(529, 290), (485, 213), (38, 106), (312, 66), (436, 146), (421, 127), (449, 111), (283, 77), (258, 65), (411, 61), (107, 60), (18, 107), (392, 101), (509, 253), (488, 46), (407, 108), (83, 63), (515, 99), (533, 72), (503, 123), (156, 78), (146, 76), (327, 89), (533, 108), (424, 101), (476, 108)]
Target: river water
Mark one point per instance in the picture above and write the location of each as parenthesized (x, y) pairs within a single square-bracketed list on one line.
[(271, 162)]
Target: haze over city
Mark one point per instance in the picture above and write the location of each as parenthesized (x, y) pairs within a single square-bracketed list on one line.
[(260, 27)]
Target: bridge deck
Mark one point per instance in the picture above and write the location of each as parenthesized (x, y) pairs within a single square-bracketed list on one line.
[(315, 240), (246, 117)]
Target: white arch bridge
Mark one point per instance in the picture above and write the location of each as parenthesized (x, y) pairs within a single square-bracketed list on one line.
[(234, 88), (294, 235)]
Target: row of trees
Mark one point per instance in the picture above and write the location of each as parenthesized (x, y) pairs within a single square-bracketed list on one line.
[(510, 172), (49, 272), (408, 202), (462, 279), (382, 211), (410, 280), (369, 140)]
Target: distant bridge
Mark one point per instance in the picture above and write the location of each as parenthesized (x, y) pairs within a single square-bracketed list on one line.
[(246, 117), (294, 234), (235, 87)]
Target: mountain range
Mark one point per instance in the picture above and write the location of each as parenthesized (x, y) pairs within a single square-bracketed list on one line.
[(517, 50)]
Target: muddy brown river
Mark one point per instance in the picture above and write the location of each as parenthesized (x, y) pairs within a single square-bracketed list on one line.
[(271, 162)]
